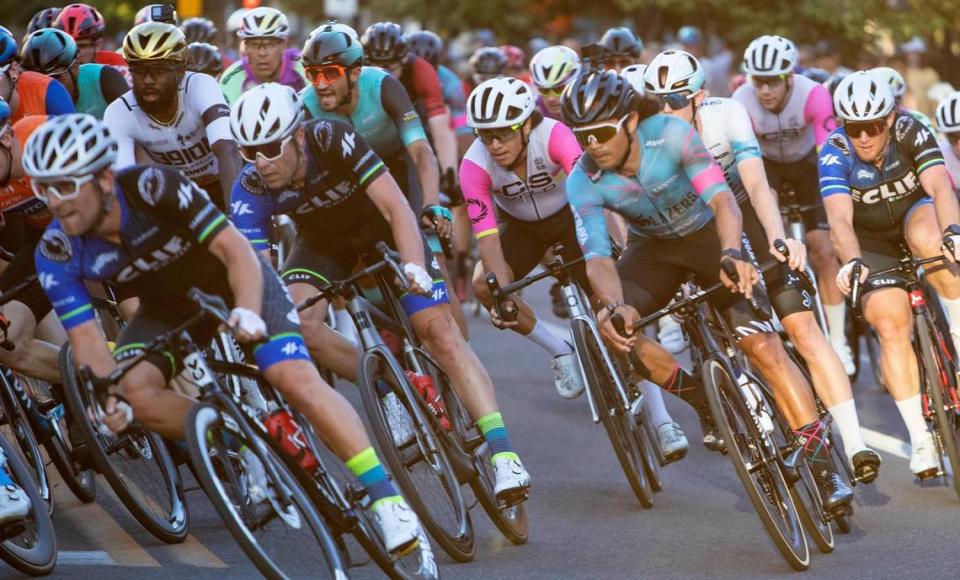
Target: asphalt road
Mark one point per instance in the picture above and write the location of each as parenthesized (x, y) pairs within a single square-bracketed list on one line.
[(584, 520)]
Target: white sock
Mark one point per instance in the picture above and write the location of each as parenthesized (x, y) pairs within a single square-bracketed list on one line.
[(552, 343), (952, 306), (345, 326), (912, 413), (845, 418), (653, 403), (836, 319)]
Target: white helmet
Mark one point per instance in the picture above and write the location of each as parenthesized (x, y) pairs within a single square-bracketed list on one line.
[(673, 71), (634, 74), (948, 113), (264, 22), (266, 113), (554, 66), (769, 56), (863, 96), (73, 145), (235, 20), (337, 27), (897, 84), (499, 102)]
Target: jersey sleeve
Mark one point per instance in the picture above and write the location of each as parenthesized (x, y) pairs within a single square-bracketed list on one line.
[(919, 143), (698, 165), (204, 94), (338, 140), (171, 195), (120, 121), (743, 141), (476, 184), (562, 147), (818, 113), (427, 84), (588, 203), (112, 84), (58, 101), (456, 101), (252, 207), (398, 107), (833, 165), (59, 274)]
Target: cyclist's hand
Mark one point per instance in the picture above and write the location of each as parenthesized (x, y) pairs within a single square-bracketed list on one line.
[(499, 322), (950, 246), (630, 318), (439, 218), (845, 276), (798, 254), (418, 279), (747, 276), (118, 415), (247, 325)]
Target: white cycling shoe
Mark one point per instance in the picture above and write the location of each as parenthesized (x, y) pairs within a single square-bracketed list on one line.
[(672, 442), (567, 377), (14, 503), (398, 524), (846, 357), (512, 480), (398, 419), (670, 335), (923, 458)]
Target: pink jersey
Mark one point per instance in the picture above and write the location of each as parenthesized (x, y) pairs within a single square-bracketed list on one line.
[(551, 154)]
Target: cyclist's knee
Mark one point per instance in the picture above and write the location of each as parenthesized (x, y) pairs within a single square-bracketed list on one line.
[(765, 348), (299, 383), (140, 387), (442, 336), (892, 325)]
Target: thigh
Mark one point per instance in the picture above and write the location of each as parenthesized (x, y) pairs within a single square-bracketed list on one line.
[(412, 302), (649, 281), (921, 229), (787, 290), (317, 262), (285, 341), (523, 245)]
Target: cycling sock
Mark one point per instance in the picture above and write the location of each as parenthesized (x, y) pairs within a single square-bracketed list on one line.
[(836, 322), (811, 437), (548, 340), (653, 403), (911, 410), (346, 327), (372, 475), (687, 387), (495, 432), (845, 418)]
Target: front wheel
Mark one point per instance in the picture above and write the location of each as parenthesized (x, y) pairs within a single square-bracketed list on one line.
[(30, 545)]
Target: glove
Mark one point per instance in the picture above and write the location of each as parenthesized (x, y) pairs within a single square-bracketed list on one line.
[(247, 322), (843, 276), (421, 280)]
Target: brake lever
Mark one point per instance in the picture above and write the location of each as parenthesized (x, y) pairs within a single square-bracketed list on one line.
[(393, 261)]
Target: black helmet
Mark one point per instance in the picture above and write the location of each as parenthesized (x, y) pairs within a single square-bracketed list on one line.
[(384, 41), (48, 51), (43, 19), (198, 30), (817, 75), (427, 45), (204, 58), (621, 41), (596, 97), (833, 82), (489, 60), (327, 45)]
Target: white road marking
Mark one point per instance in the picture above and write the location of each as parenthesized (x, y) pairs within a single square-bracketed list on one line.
[(84, 558)]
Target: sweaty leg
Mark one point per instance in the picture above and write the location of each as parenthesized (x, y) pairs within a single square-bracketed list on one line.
[(790, 388), (328, 347)]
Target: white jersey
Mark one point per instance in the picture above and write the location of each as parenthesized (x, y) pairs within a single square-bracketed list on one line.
[(953, 162), (186, 144), (725, 128)]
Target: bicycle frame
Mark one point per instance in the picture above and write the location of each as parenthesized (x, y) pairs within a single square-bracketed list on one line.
[(793, 212)]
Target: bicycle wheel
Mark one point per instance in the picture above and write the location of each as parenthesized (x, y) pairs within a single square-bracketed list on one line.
[(756, 463), (937, 381), (30, 545), (650, 464), (137, 465), (17, 428), (285, 528), (617, 421)]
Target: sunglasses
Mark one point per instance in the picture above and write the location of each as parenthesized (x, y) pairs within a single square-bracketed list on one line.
[(554, 92), (269, 151), (676, 101), (330, 73), (598, 133), (153, 68), (768, 81), (873, 128), (63, 188), (501, 134)]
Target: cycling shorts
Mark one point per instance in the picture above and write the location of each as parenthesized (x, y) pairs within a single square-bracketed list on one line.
[(525, 243), (879, 254), (805, 179)]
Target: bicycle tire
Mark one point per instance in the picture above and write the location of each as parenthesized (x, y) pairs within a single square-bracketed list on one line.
[(938, 377), (616, 421), (651, 465), (20, 429), (172, 526), (33, 551), (201, 424), (455, 535), (727, 405)]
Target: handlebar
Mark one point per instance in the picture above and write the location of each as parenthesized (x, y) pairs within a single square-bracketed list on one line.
[(730, 269), (907, 263), (390, 260)]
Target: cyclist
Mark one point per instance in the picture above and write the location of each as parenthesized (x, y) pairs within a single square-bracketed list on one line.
[(550, 70), (199, 30), (27, 92), (486, 63), (87, 27), (690, 225), (42, 19), (516, 169), (154, 231), (516, 62), (156, 13), (263, 38), (92, 87), (792, 117), (621, 48), (878, 174), (429, 46), (178, 118), (899, 87), (678, 81), (325, 176), (948, 121), (204, 58)]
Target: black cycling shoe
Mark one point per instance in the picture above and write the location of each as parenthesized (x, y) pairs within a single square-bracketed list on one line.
[(556, 297), (712, 439), (834, 492), (866, 465)]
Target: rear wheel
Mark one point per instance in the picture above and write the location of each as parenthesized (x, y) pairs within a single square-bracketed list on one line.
[(17, 427)]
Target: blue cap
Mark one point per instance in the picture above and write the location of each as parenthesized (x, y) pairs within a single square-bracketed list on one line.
[(689, 35), (4, 111)]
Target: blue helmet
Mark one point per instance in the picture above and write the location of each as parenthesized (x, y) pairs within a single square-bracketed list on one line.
[(8, 46), (4, 112)]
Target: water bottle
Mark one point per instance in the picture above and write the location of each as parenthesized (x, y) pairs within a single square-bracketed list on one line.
[(755, 402), (281, 427), (428, 391)]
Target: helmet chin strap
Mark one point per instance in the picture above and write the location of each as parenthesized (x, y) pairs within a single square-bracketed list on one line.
[(349, 98)]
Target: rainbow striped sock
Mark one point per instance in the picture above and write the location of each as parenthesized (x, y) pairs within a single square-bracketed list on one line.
[(372, 475), (495, 432)]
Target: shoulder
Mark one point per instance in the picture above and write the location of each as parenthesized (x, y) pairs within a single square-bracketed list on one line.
[(372, 74), (836, 150), (477, 154), (233, 73), (669, 127), (119, 110), (55, 245), (195, 82), (250, 181), (326, 134), (908, 130), (585, 172)]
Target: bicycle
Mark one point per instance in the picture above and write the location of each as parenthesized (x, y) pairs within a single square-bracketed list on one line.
[(28, 545)]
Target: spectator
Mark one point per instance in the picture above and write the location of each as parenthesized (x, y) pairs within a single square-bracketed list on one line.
[(828, 58)]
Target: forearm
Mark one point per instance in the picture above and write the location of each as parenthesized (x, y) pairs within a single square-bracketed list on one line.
[(445, 142), (406, 235), (245, 279), (90, 349), (729, 221), (945, 204), (491, 254), (845, 240), (605, 280), (429, 174)]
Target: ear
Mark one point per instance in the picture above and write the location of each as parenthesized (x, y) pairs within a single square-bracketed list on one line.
[(355, 74), (700, 97)]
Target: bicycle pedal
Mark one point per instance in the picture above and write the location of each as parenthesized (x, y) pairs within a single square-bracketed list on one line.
[(929, 474), (509, 500)]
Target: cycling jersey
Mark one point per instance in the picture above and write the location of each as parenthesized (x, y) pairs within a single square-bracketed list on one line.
[(667, 198), (801, 126), (422, 84), (115, 60), (920, 117), (39, 94), (201, 121), (724, 126), (17, 199), (552, 152), (239, 77), (883, 196), (952, 161), (455, 100), (98, 85)]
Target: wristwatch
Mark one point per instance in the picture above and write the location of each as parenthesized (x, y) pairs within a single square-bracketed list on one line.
[(732, 253)]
